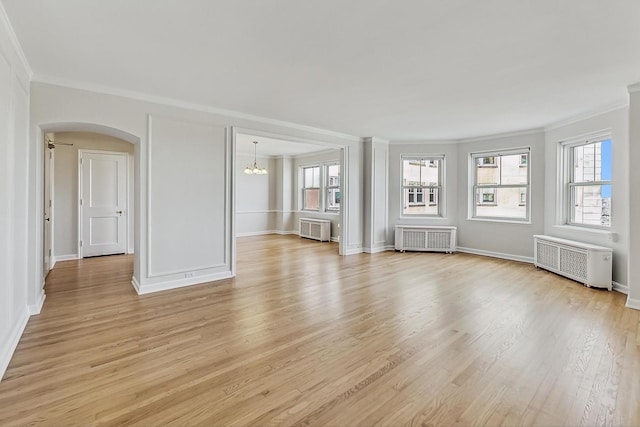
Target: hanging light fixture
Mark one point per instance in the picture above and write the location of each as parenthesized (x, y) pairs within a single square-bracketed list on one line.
[(254, 169)]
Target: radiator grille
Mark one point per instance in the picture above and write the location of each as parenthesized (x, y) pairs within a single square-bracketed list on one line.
[(438, 239), (573, 262), (304, 228), (414, 239), (314, 230), (547, 255)]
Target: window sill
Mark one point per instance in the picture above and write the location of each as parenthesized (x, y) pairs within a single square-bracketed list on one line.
[(438, 217), (575, 228), (506, 220)]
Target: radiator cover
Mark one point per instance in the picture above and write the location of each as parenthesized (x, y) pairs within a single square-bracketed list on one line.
[(318, 229), (583, 262), (425, 238)]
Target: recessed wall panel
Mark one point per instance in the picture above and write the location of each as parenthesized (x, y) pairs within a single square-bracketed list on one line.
[(187, 200)]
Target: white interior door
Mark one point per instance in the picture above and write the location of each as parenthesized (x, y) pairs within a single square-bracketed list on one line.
[(103, 203), (48, 207)]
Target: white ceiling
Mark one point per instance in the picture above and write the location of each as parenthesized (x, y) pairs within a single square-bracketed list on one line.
[(406, 69), (274, 147)]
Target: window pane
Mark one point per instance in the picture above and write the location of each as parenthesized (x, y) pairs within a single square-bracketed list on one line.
[(591, 205), (504, 170), (333, 199), (312, 198), (420, 201), (420, 172), (592, 162), (333, 175), (308, 177), (501, 202), (316, 177)]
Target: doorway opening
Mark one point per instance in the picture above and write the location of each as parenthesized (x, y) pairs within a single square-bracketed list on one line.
[(88, 196)]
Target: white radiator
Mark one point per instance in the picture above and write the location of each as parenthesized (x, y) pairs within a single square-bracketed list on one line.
[(318, 229), (585, 263), (425, 238)]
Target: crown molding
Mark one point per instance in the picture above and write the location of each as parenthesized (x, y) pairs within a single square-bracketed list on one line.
[(423, 142), (502, 135), (139, 96), (588, 115), (14, 40), (634, 88)]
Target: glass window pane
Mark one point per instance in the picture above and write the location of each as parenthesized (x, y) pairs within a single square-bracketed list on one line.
[(333, 175), (420, 201), (411, 171), (514, 169), (312, 198), (316, 176), (333, 199), (487, 175), (591, 205), (592, 162), (499, 202)]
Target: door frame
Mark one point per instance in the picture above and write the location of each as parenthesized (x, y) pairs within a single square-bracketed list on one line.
[(49, 185), (82, 151)]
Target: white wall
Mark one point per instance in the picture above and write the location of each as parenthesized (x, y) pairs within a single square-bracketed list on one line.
[(315, 159), (14, 178), (633, 160), (398, 149), (256, 197), (618, 122), (65, 203), (510, 240)]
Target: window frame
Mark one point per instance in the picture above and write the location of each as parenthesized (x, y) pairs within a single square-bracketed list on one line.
[(303, 187), (328, 187), (426, 191), (474, 187), (567, 179)]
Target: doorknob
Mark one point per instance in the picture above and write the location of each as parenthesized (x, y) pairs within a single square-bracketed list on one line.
[(47, 219), (119, 212)]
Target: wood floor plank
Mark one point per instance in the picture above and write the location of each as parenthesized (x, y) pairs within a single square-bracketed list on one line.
[(303, 336)]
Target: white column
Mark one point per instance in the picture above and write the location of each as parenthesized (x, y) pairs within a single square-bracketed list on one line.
[(376, 194), (633, 299)]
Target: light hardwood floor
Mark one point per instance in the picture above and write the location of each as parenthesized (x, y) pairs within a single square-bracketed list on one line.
[(303, 336)]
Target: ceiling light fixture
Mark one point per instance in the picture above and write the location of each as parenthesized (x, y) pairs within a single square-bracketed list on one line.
[(255, 169)]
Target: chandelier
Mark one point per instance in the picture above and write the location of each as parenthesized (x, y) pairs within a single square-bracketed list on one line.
[(254, 169)]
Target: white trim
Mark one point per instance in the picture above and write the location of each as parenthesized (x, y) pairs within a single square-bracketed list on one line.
[(68, 257), (335, 239), (502, 135), (155, 99), (262, 212), (495, 254), (179, 283), (633, 88), (619, 287), (135, 284), (353, 251), (378, 249), (265, 232), (318, 153), (6, 353), (424, 142), (130, 251), (13, 38), (36, 308), (589, 114), (633, 303)]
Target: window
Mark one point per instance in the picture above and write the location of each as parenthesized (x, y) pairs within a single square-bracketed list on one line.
[(332, 172), (421, 185), (501, 185), (311, 188), (320, 186), (588, 167)]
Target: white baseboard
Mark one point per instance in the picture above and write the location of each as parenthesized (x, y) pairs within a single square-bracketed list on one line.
[(378, 249), (130, 251), (68, 257), (135, 284), (265, 232), (36, 308), (7, 349), (353, 251), (142, 289), (495, 254), (633, 303), (619, 287)]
